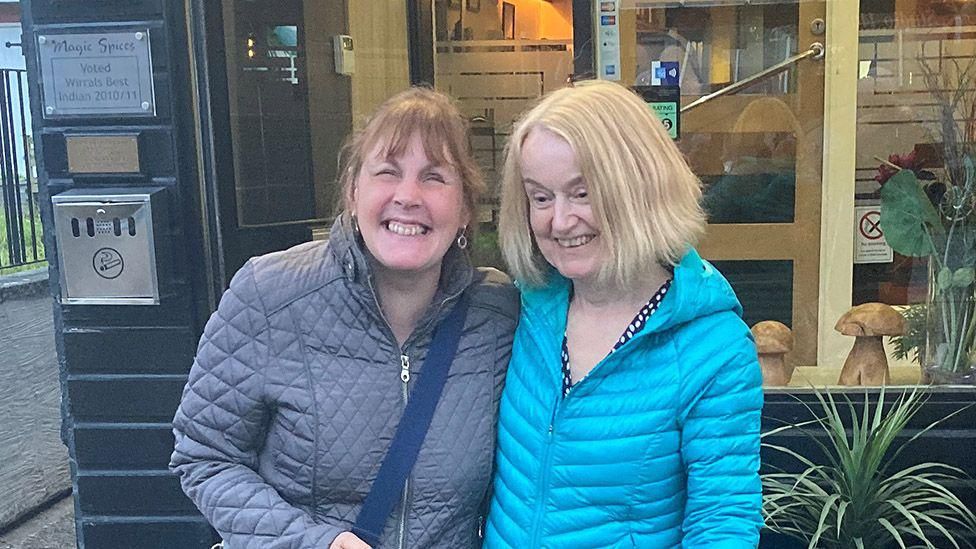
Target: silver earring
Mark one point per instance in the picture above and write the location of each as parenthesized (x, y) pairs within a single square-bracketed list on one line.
[(355, 224), (462, 241)]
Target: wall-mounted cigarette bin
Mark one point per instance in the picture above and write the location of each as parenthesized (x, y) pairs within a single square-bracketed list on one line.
[(108, 252)]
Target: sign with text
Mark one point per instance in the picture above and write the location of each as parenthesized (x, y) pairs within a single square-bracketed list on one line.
[(608, 54), (665, 102), (668, 113), (96, 74), (869, 241), (103, 153)]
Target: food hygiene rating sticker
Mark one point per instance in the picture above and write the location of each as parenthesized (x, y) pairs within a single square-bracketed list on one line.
[(668, 113)]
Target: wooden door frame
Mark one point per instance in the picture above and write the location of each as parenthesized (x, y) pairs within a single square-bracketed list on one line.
[(792, 241), (839, 160)]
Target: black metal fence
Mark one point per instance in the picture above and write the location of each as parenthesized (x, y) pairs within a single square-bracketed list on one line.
[(21, 242)]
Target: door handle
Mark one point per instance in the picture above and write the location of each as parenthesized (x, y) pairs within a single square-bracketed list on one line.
[(816, 51)]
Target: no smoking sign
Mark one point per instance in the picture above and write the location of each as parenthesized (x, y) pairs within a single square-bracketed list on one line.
[(869, 242), (870, 225)]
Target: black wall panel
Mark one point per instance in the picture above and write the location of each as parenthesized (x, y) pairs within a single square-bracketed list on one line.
[(123, 447), (130, 350), (124, 367), (132, 494), (158, 534), (114, 399)]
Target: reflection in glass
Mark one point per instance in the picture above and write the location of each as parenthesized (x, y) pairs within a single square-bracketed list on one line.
[(898, 116), (495, 62), (757, 150), (717, 45), (748, 166), (764, 288), (269, 111), (758, 179)]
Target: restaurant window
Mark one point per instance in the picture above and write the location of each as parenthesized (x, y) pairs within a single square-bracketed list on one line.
[(758, 151), (495, 57), (800, 244), (916, 109), (794, 204)]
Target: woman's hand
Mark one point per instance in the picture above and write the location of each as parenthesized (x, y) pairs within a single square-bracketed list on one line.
[(348, 540)]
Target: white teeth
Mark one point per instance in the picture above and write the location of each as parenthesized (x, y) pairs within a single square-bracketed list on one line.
[(406, 230), (574, 242)]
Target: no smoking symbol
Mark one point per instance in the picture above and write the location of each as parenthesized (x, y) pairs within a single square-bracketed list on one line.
[(870, 225)]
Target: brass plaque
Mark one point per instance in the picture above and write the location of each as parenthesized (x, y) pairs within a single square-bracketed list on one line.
[(103, 153)]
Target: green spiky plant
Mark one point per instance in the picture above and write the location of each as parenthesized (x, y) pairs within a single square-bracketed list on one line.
[(854, 500)]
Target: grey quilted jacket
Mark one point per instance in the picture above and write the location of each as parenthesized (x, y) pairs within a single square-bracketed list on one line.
[(296, 392)]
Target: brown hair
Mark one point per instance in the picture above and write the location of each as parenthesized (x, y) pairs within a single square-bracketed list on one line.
[(442, 129)]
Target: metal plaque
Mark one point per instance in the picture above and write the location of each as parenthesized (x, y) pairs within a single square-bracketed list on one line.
[(103, 153), (96, 74)]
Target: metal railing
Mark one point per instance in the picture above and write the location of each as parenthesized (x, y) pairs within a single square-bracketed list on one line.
[(21, 240)]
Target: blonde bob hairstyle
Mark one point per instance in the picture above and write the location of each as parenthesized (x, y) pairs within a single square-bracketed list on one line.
[(415, 111), (644, 197)]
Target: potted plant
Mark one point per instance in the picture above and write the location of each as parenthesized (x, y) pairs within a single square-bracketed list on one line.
[(854, 499), (925, 215)]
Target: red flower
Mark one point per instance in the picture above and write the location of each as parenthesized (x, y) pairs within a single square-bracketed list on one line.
[(885, 171)]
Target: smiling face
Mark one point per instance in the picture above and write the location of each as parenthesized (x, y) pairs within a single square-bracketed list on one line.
[(409, 209), (560, 213)]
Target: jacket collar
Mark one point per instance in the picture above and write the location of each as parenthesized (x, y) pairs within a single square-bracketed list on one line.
[(697, 290), (354, 259)]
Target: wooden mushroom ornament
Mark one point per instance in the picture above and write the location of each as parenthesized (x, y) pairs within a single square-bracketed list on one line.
[(773, 341), (868, 323)]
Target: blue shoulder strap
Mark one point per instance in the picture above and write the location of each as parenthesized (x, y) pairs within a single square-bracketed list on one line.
[(412, 429)]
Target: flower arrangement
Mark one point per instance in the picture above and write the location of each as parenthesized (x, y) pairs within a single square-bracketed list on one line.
[(925, 215)]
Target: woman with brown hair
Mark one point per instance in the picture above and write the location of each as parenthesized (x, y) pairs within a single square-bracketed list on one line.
[(297, 419)]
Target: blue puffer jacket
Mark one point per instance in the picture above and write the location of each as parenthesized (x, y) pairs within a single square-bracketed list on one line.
[(657, 447)]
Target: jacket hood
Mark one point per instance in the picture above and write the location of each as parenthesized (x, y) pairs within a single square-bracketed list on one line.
[(698, 290)]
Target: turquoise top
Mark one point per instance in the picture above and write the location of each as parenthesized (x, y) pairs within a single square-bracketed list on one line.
[(658, 446)]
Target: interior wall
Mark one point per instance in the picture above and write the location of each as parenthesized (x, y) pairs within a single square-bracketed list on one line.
[(555, 20), (329, 96), (534, 19), (485, 24), (379, 32)]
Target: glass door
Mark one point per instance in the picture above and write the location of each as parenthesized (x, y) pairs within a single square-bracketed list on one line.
[(758, 151), (496, 57)]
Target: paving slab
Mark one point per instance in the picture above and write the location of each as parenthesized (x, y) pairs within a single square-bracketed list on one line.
[(53, 528)]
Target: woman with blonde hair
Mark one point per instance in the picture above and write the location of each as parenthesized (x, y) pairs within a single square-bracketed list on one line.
[(630, 415), (344, 394)]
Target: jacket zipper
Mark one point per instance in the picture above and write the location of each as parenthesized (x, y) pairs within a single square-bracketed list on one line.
[(543, 488), (543, 491), (405, 378)]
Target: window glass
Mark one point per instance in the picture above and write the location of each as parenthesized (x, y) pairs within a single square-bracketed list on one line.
[(798, 221), (268, 89), (496, 57), (916, 105), (292, 107), (758, 149)]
